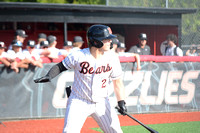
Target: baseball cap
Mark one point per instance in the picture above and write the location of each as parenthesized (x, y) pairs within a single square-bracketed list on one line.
[(51, 39), (21, 33), (31, 43), (42, 35), (17, 43), (143, 36), (121, 45), (2, 45), (67, 43), (44, 44), (115, 41), (78, 39)]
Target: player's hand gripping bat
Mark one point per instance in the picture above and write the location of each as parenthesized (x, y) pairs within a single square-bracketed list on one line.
[(145, 126)]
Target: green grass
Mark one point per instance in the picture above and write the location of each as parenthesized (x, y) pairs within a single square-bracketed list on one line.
[(183, 127)]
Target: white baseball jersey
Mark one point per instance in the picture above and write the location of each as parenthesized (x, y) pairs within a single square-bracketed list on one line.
[(89, 96), (91, 80), (4, 55), (33, 55), (54, 52), (13, 55)]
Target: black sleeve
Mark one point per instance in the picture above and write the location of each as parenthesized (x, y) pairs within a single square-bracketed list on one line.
[(55, 70)]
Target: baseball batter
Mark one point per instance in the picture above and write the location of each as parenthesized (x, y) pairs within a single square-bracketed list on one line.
[(93, 69)]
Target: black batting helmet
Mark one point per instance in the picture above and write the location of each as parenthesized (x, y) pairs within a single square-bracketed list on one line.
[(97, 33)]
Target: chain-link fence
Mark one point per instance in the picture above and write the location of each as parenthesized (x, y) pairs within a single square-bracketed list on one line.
[(190, 22)]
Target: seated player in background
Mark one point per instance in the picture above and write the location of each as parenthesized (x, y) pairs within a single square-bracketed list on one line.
[(52, 47), (32, 55), (20, 35), (121, 48), (114, 44), (41, 37), (17, 56), (141, 48), (77, 43), (43, 50), (121, 51), (172, 49), (67, 47), (192, 51), (4, 58)]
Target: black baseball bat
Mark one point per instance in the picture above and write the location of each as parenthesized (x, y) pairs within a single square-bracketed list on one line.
[(145, 126)]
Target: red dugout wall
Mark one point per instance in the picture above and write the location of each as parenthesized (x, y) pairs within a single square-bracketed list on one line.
[(156, 34)]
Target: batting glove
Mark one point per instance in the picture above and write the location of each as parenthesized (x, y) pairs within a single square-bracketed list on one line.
[(122, 107), (42, 79)]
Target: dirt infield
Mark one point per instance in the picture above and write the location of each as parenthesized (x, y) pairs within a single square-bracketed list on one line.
[(56, 125)]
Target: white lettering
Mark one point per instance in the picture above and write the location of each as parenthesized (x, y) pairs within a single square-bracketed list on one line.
[(161, 88), (136, 79), (172, 87), (144, 98), (167, 89), (188, 86)]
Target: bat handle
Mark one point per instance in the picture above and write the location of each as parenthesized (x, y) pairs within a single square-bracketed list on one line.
[(148, 128)]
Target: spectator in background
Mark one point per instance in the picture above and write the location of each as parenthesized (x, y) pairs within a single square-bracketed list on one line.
[(3, 54), (121, 51), (52, 47), (163, 46), (32, 55), (192, 51), (141, 48), (41, 37), (198, 48), (20, 35), (172, 49), (77, 43), (67, 47), (17, 56), (121, 48), (43, 51), (4, 58), (114, 44)]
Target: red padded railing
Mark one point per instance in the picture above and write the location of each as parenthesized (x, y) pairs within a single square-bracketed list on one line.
[(147, 58), (162, 58)]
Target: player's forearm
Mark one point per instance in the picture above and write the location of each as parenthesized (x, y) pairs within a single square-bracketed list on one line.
[(119, 89), (137, 57), (55, 70), (5, 62)]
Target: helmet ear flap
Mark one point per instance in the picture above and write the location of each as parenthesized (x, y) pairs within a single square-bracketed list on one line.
[(95, 42), (111, 45)]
